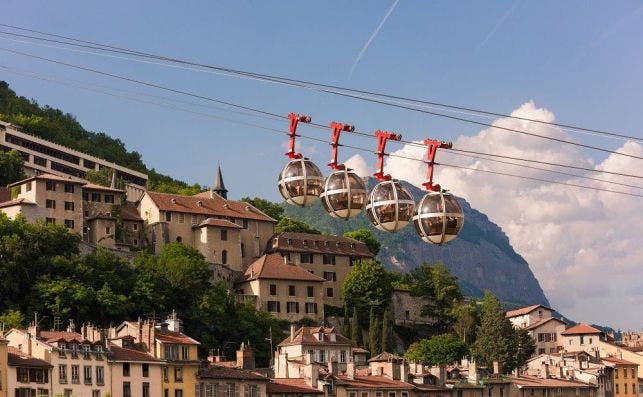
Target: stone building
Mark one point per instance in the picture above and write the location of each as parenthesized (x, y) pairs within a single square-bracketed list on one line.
[(330, 257), (287, 291), (544, 329), (407, 309)]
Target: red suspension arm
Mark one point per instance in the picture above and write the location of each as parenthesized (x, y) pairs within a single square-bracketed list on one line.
[(336, 130), (294, 121), (382, 137), (433, 147)]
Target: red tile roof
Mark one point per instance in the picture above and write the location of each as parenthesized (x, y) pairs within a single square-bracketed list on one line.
[(359, 350), (544, 321), (63, 336), (272, 266), (20, 201), (214, 205), (305, 336), (124, 354), (92, 186), (16, 358), (617, 361), (373, 382), (174, 337), (129, 212), (219, 372), (319, 244), (290, 386), (525, 310), (534, 381), (218, 223), (51, 177), (581, 328)]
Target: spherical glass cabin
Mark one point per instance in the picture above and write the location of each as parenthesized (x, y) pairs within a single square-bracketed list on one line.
[(438, 218), (390, 206), (301, 182), (344, 194)]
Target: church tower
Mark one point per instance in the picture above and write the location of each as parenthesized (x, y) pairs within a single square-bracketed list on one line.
[(219, 187)]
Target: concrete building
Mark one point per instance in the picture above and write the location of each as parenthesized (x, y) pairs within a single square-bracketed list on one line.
[(582, 337), (287, 291), (134, 372), (525, 386), (28, 376), (544, 329), (42, 156), (330, 257), (217, 381), (626, 377), (166, 342)]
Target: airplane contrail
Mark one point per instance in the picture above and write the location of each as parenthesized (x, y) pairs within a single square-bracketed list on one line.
[(498, 25), (370, 39)]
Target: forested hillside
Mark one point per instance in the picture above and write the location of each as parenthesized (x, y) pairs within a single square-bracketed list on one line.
[(62, 128)]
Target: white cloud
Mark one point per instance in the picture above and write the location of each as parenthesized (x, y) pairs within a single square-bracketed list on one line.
[(584, 246), (359, 165)]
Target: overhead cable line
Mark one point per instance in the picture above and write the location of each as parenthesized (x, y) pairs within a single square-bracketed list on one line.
[(281, 79), (77, 84)]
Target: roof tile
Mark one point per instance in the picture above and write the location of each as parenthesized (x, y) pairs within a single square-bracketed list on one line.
[(319, 243), (581, 328), (272, 266)]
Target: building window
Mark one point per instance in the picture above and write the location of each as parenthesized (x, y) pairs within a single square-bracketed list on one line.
[(125, 369), (194, 220), (329, 292), (75, 374), (96, 197), (109, 198), (95, 393), (224, 257), (62, 373), (85, 196), (273, 306), (69, 188), (243, 250), (69, 205), (329, 259), (50, 203), (342, 356), (322, 356), (310, 291), (185, 352), (178, 393), (224, 234), (127, 389), (306, 258), (292, 307), (251, 391), (87, 374), (624, 388), (178, 374), (615, 373), (330, 276), (146, 389), (405, 394), (273, 289), (108, 230), (69, 223), (146, 370), (633, 373), (168, 216), (292, 290), (407, 315), (165, 376), (100, 375), (179, 239), (171, 352), (50, 185), (22, 375), (311, 307), (616, 385), (181, 217), (244, 223)]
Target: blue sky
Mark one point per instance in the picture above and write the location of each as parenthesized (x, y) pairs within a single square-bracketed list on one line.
[(580, 59)]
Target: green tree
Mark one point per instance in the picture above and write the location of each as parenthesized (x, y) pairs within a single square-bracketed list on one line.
[(346, 325), (368, 285), (523, 347), (356, 330), (273, 210), (374, 329), (495, 336), (441, 349), (388, 337), (11, 167), (466, 319), (440, 289), (367, 237), (102, 177), (286, 224), (12, 319)]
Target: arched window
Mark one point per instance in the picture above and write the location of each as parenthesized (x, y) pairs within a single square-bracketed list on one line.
[(179, 239), (224, 257)]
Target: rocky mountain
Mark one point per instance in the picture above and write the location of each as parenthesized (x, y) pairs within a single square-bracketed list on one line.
[(481, 257)]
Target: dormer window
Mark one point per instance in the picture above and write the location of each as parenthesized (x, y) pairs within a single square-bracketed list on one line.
[(305, 243), (199, 203), (353, 246), (289, 242), (326, 243), (338, 244), (173, 201)]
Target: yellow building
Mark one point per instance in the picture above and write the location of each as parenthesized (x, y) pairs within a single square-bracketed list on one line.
[(626, 378), (166, 342), (3, 366), (286, 291)]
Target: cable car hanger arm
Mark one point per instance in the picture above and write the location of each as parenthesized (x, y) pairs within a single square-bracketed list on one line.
[(294, 121), (382, 137), (336, 130)]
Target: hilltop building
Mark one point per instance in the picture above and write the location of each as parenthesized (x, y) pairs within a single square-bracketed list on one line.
[(544, 329)]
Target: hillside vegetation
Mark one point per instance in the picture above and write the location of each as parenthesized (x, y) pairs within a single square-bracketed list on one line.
[(62, 128)]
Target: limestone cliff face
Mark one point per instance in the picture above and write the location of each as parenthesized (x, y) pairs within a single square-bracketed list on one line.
[(481, 257)]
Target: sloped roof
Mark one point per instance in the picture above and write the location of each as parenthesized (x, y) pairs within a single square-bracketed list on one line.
[(63, 336), (174, 337), (359, 350), (124, 354), (617, 361), (129, 212), (535, 381), (373, 381), (318, 244), (218, 223), (287, 385), (219, 372), (525, 310), (20, 201), (92, 186), (272, 266), (544, 321), (213, 205), (305, 336), (16, 358), (51, 177), (580, 329), (385, 357)]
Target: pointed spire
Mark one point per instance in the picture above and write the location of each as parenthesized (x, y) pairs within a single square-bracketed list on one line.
[(219, 187)]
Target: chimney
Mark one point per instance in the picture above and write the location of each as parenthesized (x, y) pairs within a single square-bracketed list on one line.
[(292, 332), (443, 374), (404, 372), (350, 370), (173, 322), (246, 357), (496, 367), (311, 374), (164, 327), (544, 371), (473, 372), (71, 327), (34, 330)]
